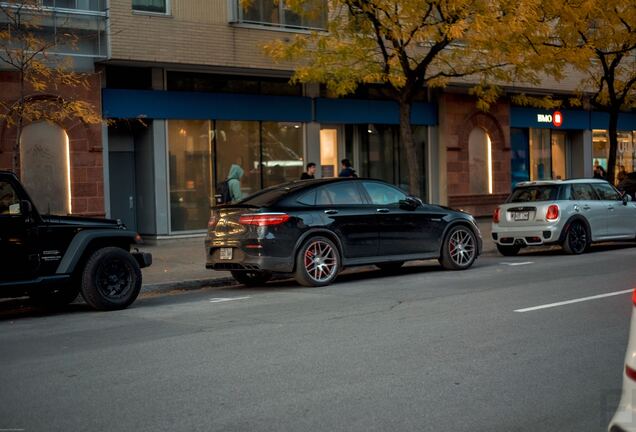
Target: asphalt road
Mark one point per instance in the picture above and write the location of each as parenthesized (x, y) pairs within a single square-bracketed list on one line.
[(424, 350)]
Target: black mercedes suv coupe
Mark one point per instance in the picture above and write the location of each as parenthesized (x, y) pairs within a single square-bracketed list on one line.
[(314, 228)]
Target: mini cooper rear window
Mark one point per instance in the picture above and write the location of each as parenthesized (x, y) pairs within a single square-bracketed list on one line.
[(534, 193)]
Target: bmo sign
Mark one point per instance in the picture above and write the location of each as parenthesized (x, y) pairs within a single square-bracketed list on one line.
[(556, 118)]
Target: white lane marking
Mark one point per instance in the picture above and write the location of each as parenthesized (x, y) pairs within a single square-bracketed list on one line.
[(517, 263), (227, 299), (551, 305)]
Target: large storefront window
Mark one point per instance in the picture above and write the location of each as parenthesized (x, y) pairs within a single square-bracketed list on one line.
[(202, 153), (382, 154), (282, 152), (625, 152), (190, 173), (540, 154), (237, 142)]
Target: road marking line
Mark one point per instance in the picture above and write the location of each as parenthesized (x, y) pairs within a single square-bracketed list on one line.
[(551, 305), (517, 263), (227, 299)]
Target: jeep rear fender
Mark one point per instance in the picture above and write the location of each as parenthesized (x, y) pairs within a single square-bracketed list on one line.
[(82, 241)]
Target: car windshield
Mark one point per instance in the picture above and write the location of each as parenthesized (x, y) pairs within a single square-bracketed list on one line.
[(534, 193)]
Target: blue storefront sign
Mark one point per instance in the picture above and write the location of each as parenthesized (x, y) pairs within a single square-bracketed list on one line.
[(567, 119)]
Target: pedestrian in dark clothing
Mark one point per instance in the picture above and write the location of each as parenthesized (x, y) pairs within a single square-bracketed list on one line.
[(347, 169), (310, 173), (628, 185)]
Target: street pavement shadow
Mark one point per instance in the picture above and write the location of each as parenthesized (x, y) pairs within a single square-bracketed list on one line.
[(11, 309), (557, 250)]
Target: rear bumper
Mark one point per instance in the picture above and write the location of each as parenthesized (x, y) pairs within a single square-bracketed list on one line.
[(242, 261), (624, 419), (144, 259), (527, 235)]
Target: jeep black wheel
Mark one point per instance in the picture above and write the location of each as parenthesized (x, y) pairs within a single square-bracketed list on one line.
[(508, 250), (54, 298), (111, 279), (251, 278), (576, 240)]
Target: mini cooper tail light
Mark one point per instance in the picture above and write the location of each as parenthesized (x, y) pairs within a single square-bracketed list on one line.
[(553, 213), (264, 219), (496, 214), (634, 297)]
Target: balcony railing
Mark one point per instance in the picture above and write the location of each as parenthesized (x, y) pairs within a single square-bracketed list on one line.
[(84, 20)]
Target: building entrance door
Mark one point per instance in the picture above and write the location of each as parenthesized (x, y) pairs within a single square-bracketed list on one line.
[(330, 144), (560, 145)]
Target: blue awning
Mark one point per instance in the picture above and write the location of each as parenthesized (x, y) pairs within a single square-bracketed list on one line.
[(125, 104), (571, 119), (356, 111)]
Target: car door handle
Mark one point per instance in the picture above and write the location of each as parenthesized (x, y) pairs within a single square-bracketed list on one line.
[(331, 211), (610, 207), (382, 210), (586, 207)]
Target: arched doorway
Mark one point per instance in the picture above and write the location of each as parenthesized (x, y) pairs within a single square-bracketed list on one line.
[(480, 162), (44, 167)]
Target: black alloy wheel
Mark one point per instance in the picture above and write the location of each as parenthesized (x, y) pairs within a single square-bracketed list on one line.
[(111, 279), (251, 278), (317, 262), (459, 250), (576, 241), (508, 250)]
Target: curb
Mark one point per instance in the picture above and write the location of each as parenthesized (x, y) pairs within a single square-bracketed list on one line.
[(195, 284), (191, 284)]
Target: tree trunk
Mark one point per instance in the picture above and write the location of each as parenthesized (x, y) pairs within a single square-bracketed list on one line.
[(613, 144), (412, 150), (16, 147)]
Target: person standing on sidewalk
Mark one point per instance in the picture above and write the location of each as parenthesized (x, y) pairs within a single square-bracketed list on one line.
[(310, 173), (347, 169), (234, 182)]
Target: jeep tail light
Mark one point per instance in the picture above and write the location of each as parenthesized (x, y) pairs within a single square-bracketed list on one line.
[(552, 213), (264, 219), (496, 214)]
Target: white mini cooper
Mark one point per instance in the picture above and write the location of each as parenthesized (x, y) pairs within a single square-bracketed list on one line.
[(572, 213)]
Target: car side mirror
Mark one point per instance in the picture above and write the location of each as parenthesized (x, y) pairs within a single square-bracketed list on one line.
[(626, 198), (26, 208), (410, 203)]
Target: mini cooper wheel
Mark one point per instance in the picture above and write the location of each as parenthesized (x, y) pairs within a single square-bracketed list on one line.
[(251, 278), (390, 267), (459, 249), (508, 250), (576, 240), (111, 279), (317, 262)]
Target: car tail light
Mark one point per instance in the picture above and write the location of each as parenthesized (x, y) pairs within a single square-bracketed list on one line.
[(496, 214), (264, 219), (553, 213), (214, 219), (634, 297), (631, 373)]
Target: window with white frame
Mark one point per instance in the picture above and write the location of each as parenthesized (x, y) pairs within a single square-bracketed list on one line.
[(153, 6), (276, 13)]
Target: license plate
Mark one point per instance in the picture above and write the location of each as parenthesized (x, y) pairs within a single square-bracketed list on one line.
[(226, 253), (521, 216)]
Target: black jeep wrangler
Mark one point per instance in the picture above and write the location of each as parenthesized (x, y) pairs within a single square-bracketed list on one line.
[(54, 258)]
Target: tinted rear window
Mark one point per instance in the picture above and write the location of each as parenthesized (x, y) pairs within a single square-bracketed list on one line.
[(265, 197), (534, 193)]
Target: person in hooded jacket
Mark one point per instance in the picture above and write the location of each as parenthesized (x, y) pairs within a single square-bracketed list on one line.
[(234, 182)]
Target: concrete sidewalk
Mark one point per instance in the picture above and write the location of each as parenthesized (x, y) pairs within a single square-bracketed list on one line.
[(180, 263)]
